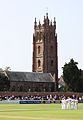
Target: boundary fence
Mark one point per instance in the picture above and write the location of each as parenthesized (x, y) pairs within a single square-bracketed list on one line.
[(28, 101)]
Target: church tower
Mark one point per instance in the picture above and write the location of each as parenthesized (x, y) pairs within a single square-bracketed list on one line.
[(45, 57)]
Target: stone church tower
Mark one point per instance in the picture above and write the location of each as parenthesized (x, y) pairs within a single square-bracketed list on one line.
[(45, 58)]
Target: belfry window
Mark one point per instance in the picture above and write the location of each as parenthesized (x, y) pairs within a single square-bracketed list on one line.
[(39, 49), (39, 63), (51, 48), (51, 62)]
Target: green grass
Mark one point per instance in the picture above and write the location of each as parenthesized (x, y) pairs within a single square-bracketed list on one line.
[(39, 112)]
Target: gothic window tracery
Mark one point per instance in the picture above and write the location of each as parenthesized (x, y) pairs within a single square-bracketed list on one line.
[(51, 62), (39, 49), (51, 48), (39, 63)]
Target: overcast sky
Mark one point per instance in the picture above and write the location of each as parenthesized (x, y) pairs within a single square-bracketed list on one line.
[(17, 26)]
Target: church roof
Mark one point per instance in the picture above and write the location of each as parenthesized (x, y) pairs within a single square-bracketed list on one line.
[(30, 76)]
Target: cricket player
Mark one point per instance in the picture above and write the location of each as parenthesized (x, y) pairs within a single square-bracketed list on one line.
[(68, 100), (76, 104), (64, 103)]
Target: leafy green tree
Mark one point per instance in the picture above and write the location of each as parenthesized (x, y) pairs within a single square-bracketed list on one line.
[(80, 85), (4, 82), (73, 77)]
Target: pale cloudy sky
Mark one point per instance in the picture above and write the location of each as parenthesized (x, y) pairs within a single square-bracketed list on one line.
[(17, 26)]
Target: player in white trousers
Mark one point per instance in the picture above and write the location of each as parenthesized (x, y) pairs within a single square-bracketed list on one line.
[(69, 103), (64, 103)]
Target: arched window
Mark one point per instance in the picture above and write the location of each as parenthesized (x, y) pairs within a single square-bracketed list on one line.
[(39, 63), (51, 62), (51, 48), (39, 49)]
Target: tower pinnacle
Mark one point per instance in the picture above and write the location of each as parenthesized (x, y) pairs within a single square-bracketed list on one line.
[(35, 24)]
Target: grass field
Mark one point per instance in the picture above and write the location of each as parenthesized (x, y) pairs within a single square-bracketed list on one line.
[(39, 112)]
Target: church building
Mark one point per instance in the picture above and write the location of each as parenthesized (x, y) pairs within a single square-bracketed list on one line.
[(44, 75)]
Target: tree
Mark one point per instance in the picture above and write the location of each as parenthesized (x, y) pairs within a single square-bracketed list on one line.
[(73, 77), (4, 82), (7, 68), (80, 85)]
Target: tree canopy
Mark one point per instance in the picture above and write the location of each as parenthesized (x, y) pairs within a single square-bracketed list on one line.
[(4, 82), (73, 76)]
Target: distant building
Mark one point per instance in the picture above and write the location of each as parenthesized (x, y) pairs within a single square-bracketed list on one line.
[(30, 81), (61, 82), (45, 56)]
